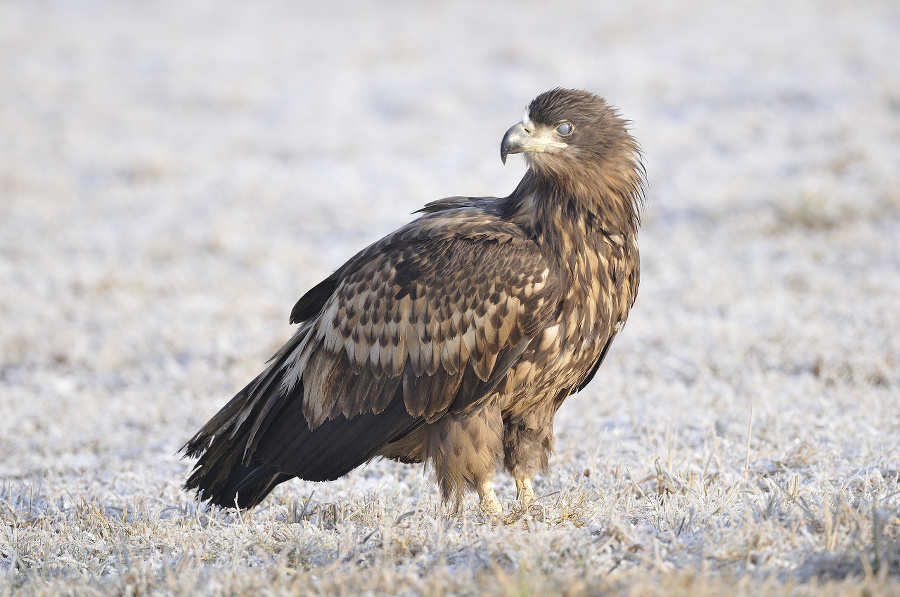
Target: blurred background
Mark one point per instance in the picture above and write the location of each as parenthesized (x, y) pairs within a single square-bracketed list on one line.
[(174, 175)]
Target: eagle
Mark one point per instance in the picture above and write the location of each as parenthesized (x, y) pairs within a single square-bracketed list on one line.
[(453, 340)]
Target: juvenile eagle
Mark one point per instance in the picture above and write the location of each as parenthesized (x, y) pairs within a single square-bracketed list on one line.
[(455, 339)]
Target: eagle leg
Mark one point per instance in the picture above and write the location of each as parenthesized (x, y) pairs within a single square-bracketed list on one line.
[(465, 451), (527, 445)]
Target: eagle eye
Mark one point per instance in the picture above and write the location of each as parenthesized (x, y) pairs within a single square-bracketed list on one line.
[(565, 129)]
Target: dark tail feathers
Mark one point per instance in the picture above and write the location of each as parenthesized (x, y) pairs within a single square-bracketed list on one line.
[(285, 447), (245, 486)]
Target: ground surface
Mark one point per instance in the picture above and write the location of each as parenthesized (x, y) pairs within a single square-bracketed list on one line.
[(174, 175)]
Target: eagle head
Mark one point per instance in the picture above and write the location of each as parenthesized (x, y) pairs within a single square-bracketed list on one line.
[(562, 127), (576, 143)]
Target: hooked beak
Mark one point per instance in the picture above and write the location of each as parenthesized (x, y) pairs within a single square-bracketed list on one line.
[(519, 139)]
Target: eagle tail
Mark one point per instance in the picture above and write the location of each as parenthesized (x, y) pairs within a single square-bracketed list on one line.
[(261, 438), (244, 487), (223, 475)]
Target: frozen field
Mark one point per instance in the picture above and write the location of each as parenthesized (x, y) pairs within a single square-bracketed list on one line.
[(174, 175)]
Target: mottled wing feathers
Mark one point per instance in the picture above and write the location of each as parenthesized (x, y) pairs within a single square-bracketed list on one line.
[(431, 310)]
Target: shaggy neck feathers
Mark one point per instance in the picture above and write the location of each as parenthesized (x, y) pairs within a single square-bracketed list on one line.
[(598, 198)]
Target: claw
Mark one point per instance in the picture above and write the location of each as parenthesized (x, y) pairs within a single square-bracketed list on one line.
[(488, 499), (524, 492)]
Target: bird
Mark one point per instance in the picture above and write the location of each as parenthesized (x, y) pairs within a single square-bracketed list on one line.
[(453, 340)]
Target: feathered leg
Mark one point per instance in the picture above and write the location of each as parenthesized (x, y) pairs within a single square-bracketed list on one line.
[(466, 451), (527, 445)]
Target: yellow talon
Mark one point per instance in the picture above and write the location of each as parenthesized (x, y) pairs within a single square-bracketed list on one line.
[(524, 491), (488, 499)]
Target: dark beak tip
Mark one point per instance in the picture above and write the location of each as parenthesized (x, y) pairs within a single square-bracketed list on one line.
[(513, 141)]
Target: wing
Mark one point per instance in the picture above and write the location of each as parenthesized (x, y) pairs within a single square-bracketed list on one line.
[(434, 308), (424, 322)]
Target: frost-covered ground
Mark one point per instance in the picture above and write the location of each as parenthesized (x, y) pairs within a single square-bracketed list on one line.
[(173, 175)]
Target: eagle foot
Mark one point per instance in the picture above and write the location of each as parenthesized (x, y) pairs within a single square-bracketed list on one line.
[(524, 491), (488, 501)]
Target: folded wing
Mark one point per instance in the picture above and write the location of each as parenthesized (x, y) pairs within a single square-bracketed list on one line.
[(425, 322)]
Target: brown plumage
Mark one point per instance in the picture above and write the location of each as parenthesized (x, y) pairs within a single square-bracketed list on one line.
[(455, 339)]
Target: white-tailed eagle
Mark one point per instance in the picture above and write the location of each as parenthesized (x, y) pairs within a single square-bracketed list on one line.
[(455, 339)]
